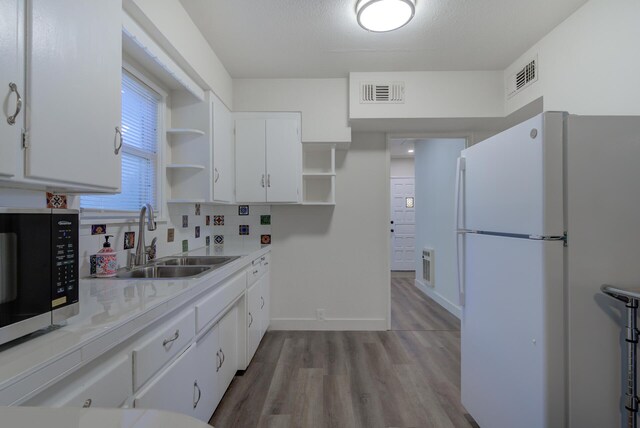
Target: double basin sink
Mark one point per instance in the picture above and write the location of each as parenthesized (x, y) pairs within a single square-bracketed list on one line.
[(176, 267)]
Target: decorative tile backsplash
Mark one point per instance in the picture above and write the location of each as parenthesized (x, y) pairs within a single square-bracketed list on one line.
[(55, 200), (98, 229), (243, 209), (216, 226)]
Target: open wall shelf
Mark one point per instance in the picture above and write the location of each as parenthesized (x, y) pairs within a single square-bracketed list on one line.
[(318, 174)]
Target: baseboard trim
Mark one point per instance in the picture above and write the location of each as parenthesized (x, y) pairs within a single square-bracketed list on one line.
[(454, 309), (329, 324)]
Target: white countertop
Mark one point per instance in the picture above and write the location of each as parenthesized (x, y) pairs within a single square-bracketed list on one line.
[(105, 305), (69, 417)]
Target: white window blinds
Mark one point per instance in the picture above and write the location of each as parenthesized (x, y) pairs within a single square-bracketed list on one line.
[(140, 109)]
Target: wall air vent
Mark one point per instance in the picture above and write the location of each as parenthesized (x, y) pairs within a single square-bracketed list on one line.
[(385, 93), (428, 267), (522, 78)]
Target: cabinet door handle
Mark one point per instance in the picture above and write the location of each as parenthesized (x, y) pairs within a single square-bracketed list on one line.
[(262, 298), (87, 403), (268, 180), (266, 264), (118, 141), (217, 175), (176, 335), (255, 271), (11, 120), (196, 387), (218, 361), (251, 320), (262, 182), (223, 357)]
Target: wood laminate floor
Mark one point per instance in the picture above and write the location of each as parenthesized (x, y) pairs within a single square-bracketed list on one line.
[(407, 377)]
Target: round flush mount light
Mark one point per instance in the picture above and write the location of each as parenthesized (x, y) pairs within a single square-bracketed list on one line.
[(384, 15)]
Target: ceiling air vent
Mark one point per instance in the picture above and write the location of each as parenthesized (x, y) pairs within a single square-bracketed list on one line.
[(385, 93), (523, 78)]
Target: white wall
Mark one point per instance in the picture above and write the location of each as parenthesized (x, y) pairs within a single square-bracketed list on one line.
[(168, 23), (323, 103), (336, 258), (402, 167), (435, 167), (589, 63), (433, 94)]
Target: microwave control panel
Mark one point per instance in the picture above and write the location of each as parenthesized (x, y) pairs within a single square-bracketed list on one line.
[(64, 240)]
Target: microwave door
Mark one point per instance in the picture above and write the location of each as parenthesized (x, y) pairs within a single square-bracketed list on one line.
[(25, 274)]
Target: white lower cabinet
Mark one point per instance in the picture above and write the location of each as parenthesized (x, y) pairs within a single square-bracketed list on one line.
[(175, 389), (217, 363), (253, 318), (208, 363)]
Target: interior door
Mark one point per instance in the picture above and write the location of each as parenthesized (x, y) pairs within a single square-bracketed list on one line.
[(250, 160), (403, 224), (284, 157), (74, 91), (11, 71)]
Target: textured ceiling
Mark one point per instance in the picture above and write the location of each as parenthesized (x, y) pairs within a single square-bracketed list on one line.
[(321, 38)]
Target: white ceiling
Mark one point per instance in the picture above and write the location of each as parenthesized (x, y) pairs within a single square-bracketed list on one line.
[(321, 38)]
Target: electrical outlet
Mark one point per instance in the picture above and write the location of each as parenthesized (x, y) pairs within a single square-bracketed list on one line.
[(320, 314)]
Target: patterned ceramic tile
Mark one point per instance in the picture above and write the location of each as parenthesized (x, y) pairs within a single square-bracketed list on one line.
[(185, 245), (218, 239), (55, 200), (207, 241), (185, 221), (98, 229), (207, 221), (197, 231), (244, 229), (197, 209), (243, 209), (265, 239), (218, 220), (265, 219), (92, 265), (171, 233), (129, 240)]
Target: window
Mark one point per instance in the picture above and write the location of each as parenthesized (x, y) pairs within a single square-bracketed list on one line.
[(140, 119)]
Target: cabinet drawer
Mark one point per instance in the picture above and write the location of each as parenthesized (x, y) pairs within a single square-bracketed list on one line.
[(104, 383), (254, 272), (211, 306), (106, 387), (161, 345)]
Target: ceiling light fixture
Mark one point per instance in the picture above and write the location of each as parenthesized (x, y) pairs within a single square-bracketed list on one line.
[(384, 15), (410, 151)]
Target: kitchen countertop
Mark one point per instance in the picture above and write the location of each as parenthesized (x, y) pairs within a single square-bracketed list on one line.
[(69, 417), (105, 305)]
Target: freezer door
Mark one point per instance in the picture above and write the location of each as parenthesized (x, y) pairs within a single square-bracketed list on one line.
[(513, 332), (513, 181)]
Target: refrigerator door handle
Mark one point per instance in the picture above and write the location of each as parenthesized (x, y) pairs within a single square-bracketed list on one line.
[(460, 231)]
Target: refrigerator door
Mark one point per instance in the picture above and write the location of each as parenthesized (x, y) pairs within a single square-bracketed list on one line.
[(513, 180), (512, 332)]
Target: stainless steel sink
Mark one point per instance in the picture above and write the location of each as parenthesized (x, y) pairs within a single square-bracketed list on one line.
[(216, 261), (162, 272)]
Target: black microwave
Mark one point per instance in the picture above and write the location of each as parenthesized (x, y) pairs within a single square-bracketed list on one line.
[(38, 269)]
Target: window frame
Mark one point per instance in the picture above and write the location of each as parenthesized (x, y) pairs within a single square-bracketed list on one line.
[(89, 215)]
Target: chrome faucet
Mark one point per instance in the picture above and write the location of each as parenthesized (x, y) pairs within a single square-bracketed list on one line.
[(143, 251)]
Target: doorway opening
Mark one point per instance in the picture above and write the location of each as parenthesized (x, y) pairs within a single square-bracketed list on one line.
[(423, 290)]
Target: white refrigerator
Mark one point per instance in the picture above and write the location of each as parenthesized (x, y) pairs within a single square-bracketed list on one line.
[(511, 251)]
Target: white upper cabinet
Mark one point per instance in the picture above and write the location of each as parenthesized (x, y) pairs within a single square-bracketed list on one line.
[(223, 171), (74, 59), (268, 157), (201, 142), (11, 84)]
